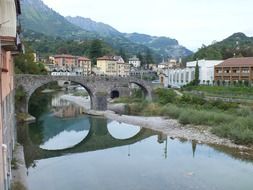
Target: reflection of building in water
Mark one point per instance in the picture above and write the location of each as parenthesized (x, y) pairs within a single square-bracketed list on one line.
[(161, 138), (58, 102), (194, 147), (68, 111)]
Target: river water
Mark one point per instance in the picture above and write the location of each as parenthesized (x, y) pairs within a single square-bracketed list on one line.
[(67, 150)]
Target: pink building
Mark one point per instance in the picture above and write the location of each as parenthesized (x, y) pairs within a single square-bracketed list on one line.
[(9, 42)]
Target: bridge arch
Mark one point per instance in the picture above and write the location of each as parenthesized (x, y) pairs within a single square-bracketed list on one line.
[(144, 87), (114, 94), (30, 83)]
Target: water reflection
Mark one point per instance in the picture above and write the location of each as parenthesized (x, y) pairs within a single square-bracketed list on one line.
[(64, 126), (61, 133), (142, 160), (122, 130), (142, 166)]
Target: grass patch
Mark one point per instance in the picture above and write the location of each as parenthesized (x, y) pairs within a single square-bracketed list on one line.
[(241, 92), (240, 130)]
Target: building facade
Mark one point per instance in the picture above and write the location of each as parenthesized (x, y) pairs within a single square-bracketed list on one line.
[(180, 77), (235, 69), (113, 66), (135, 62), (9, 46), (70, 65)]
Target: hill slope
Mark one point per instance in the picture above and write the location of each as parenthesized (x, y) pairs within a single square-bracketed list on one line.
[(238, 45), (40, 18)]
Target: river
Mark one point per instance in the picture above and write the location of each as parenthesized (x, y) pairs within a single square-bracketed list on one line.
[(67, 150)]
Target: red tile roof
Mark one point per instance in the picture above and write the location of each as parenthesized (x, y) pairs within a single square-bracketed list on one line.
[(109, 58), (83, 59), (237, 62)]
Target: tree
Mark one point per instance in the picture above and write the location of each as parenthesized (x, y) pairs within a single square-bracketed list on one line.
[(24, 64), (122, 53), (196, 79), (139, 55), (149, 58), (95, 51)]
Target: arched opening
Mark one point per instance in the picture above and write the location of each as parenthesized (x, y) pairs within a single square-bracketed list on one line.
[(114, 94), (162, 80), (138, 91), (122, 131), (54, 95), (60, 120)]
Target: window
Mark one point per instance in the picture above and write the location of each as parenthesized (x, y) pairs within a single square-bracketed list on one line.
[(3, 64)]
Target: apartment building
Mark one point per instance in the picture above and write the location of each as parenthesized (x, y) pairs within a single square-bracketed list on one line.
[(235, 69), (9, 46), (70, 65), (113, 66)]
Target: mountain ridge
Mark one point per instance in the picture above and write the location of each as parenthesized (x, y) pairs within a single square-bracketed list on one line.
[(40, 18)]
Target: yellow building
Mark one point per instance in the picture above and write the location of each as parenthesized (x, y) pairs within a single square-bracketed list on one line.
[(113, 66), (123, 69), (85, 64)]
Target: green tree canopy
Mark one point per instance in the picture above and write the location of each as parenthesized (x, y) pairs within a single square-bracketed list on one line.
[(25, 64)]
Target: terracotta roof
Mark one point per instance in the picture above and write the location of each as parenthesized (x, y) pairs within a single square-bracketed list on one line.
[(237, 62), (83, 59), (109, 58)]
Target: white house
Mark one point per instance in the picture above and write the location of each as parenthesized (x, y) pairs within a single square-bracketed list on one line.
[(181, 77), (135, 61)]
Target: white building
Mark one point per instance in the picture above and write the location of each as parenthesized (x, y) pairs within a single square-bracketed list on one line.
[(181, 77), (135, 61)]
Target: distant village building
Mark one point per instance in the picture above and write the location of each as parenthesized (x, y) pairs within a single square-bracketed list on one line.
[(171, 63), (135, 61), (70, 65), (9, 46), (235, 69), (113, 66), (180, 77)]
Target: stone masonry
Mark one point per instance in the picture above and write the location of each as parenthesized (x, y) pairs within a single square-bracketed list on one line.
[(99, 88)]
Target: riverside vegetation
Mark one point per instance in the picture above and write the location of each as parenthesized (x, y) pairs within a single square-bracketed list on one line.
[(231, 120)]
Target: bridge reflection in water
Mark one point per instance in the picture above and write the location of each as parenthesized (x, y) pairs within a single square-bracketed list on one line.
[(98, 138)]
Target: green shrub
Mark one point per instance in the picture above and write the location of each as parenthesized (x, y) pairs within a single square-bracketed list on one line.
[(171, 111), (164, 96), (240, 130)]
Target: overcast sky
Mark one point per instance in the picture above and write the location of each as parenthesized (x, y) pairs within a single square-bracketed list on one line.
[(191, 22)]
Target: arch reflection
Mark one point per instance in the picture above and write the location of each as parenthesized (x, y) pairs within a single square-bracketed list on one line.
[(122, 131)]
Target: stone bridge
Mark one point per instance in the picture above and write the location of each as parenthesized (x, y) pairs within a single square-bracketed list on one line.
[(99, 88)]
